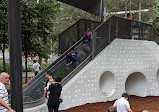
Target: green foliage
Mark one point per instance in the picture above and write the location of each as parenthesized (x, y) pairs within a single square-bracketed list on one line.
[(47, 13), (6, 65), (69, 15), (29, 69), (37, 26), (3, 24), (119, 5), (155, 20), (44, 65)]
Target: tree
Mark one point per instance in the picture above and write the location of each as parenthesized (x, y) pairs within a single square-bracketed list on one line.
[(3, 29), (119, 5), (36, 27), (155, 21), (69, 15), (28, 26), (47, 11)]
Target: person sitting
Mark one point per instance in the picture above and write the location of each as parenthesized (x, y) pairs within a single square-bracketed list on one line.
[(129, 16), (87, 35), (71, 58)]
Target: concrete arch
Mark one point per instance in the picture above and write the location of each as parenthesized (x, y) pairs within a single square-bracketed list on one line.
[(107, 83), (136, 84)]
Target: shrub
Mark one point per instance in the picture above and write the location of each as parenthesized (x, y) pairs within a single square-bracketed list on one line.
[(7, 66), (45, 65), (29, 69)]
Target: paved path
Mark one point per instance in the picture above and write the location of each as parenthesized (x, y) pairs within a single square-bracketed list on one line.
[(41, 108)]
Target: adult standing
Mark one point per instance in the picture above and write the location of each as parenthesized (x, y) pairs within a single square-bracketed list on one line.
[(36, 67), (48, 76), (4, 80), (55, 92), (48, 83), (122, 104)]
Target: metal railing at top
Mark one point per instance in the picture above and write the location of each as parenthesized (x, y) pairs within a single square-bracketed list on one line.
[(123, 28), (74, 33)]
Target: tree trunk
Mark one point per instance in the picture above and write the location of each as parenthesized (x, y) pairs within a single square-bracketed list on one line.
[(130, 6), (26, 67), (126, 8), (139, 10), (3, 51), (40, 61), (46, 60)]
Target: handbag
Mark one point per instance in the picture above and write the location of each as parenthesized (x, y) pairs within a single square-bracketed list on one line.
[(60, 100)]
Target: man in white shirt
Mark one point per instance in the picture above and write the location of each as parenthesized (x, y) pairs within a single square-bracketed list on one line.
[(35, 67), (122, 104), (4, 80)]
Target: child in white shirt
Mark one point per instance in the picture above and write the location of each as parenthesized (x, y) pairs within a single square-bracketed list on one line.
[(46, 93)]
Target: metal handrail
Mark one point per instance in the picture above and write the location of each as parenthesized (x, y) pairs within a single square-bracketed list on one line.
[(32, 83), (77, 23)]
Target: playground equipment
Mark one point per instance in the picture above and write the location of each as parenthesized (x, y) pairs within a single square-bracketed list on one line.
[(124, 66), (118, 65)]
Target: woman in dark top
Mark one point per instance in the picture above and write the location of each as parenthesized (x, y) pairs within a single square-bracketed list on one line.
[(55, 92)]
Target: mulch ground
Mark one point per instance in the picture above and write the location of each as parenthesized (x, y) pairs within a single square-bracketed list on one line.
[(138, 104)]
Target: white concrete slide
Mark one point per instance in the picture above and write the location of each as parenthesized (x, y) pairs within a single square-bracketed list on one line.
[(124, 66)]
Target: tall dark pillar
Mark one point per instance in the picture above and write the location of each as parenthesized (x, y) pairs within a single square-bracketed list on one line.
[(15, 49), (101, 10)]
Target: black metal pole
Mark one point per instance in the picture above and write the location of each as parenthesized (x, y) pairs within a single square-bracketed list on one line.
[(101, 10), (15, 48)]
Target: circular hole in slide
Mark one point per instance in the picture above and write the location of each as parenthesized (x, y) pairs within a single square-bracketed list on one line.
[(107, 83), (136, 84)]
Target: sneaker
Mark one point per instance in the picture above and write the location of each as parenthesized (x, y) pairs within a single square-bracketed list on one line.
[(67, 63), (70, 62)]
